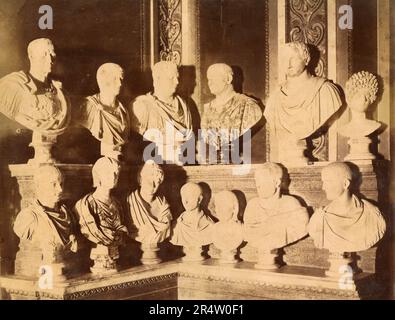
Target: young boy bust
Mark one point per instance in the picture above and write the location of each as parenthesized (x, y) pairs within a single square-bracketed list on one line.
[(192, 227)]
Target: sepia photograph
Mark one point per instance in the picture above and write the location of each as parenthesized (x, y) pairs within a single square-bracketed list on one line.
[(206, 150)]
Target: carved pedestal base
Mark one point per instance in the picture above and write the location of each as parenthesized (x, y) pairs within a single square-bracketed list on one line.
[(104, 259), (267, 260), (192, 254), (150, 254), (292, 152), (340, 269), (42, 149), (359, 149), (228, 257)]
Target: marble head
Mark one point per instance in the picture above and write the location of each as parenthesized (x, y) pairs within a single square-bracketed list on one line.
[(361, 91), (150, 177), (165, 77), (48, 182), (220, 77), (296, 57), (191, 196), (268, 179), (336, 179), (41, 53), (226, 206), (105, 173), (109, 78)]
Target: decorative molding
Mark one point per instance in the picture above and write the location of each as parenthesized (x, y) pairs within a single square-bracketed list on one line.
[(170, 40), (120, 286)]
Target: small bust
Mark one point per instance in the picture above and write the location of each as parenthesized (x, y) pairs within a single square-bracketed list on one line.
[(361, 92), (104, 115), (32, 98), (273, 220), (46, 222), (192, 226), (162, 116), (301, 104), (227, 233), (229, 114), (347, 223)]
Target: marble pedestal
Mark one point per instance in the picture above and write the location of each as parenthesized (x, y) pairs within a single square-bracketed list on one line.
[(206, 281)]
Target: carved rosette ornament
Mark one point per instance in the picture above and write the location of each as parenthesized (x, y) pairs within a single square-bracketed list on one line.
[(170, 42)]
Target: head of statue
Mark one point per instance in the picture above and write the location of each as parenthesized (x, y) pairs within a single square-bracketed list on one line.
[(226, 205), (296, 57), (48, 182), (109, 79), (268, 179), (150, 177), (361, 91), (165, 77), (105, 173), (336, 179), (41, 53), (191, 196), (219, 77)]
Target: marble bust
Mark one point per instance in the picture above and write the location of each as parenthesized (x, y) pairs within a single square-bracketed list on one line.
[(229, 114), (301, 104), (100, 216), (192, 228), (35, 101), (149, 212), (227, 233), (361, 92), (104, 115), (347, 224), (47, 223), (163, 117), (272, 220)]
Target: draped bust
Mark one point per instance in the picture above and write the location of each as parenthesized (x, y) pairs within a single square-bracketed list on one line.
[(347, 223), (104, 115), (32, 98)]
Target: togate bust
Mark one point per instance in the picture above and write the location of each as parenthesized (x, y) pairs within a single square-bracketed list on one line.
[(301, 104), (104, 115), (101, 218), (347, 224), (36, 101)]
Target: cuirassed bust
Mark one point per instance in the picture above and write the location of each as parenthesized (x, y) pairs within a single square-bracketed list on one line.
[(31, 98), (229, 114)]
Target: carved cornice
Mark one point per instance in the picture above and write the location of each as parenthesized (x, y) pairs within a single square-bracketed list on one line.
[(170, 41), (120, 286)]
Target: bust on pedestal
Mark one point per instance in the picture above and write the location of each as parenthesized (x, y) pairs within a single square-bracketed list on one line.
[(100, 216), (48, 225), (149, 213), (227, 233), (347, 224), (192, 228), (104, 115), (361, 91), (300, 106), (35, 101), (272, 220)]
